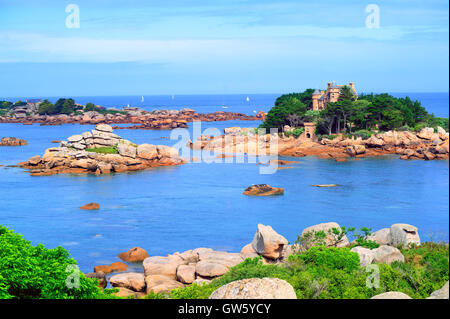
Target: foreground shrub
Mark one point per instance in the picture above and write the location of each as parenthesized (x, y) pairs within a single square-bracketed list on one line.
[(28, 271)]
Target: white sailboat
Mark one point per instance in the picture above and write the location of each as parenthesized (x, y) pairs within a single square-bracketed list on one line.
[(247, 99), (142, 99)]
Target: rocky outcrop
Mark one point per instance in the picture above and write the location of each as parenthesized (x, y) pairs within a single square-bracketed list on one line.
[(404, 234), (383, 254), (116, 266), (255, 288), (331, 238), (268, 242), (366, 256), (263, 190), (387, 254), (12, 141), (392, 295), (442, 293), (134, 255), (161, 284), (100, 152), (409, 145), (382, 236), (131, 280), (127, 293), (142, 119)]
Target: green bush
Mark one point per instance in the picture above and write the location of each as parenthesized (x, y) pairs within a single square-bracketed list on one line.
[(28, 271), (333, 258), (298, 131)]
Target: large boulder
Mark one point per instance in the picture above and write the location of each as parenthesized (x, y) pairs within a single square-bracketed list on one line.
[(255, 288), (366, 256), (331, 239), (75, 138), (161, 284), (392, 295), (387, 255), (382, 236), (127, 150), (167, 151), (131, 280), (268, 242), (127, 293), (166, 266), (135, 254), (426, 133), (210, 269), (442, 293), (248, 252), (220, 257), (404, 234), (147, 151), (186, 274), (104, 128)]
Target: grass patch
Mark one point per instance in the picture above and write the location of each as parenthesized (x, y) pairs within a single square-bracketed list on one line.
[(103, 150)]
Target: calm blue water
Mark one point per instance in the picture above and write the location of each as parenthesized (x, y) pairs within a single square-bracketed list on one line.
[(436, 103), (178, 208)]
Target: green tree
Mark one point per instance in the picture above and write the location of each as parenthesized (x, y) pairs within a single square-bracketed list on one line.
[(46, 107), (346, 93), (277, 117), (89, 107), (28, 271), (68, 107)]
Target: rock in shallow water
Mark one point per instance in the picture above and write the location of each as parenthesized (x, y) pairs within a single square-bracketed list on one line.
[(91, 206), (263, 190), (135, 254)]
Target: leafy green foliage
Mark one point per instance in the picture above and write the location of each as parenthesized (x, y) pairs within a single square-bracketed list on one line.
[(277, 117), (6, 105), (369, 112), (28, 271)]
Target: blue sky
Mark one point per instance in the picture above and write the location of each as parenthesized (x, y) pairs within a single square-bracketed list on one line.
[(232, 46)]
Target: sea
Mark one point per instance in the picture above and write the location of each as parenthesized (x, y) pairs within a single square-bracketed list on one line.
[(200, 204)]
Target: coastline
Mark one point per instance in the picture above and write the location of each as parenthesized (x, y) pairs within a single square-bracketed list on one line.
[(141, 119)]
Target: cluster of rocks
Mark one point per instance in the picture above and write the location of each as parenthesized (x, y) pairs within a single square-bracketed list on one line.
[(238, 140), (201, 265), (426, 144), (159, 119), (83, 154), (12, 141)]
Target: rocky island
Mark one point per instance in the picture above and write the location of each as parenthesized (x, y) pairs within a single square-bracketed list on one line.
[(67, 111), (426, 144), (100, 151)]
